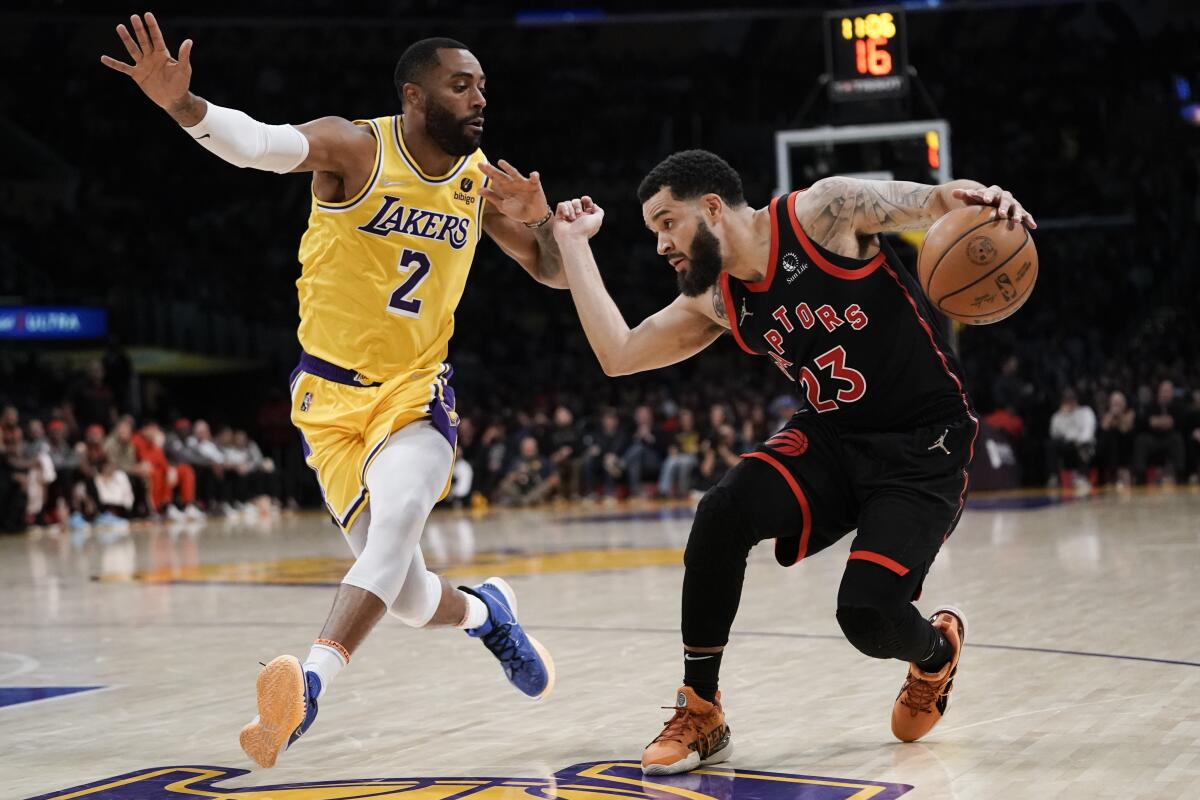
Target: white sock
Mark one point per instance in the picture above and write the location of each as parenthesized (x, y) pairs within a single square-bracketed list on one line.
[(326, 662), (477, 612)]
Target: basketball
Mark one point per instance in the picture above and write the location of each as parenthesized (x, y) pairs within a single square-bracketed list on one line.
[(976, 269)]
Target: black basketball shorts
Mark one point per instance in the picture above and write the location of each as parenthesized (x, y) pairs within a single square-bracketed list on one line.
[(903, 492)]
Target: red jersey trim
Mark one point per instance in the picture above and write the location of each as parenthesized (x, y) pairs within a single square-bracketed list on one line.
[(765, 283), (962, 497), (856, 274), (731, 314), (881, 560), (805, 511)]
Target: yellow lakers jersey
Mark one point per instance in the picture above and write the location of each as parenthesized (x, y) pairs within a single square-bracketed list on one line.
[(383, 271)]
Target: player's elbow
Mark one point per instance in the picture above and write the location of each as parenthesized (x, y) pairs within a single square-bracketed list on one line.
[(612, 366)]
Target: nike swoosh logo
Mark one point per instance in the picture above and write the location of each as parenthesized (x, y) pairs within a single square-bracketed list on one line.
[(205, 136), (690, 657)]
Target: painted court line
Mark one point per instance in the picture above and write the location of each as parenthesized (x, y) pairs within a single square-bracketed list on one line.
[(1018, 648)]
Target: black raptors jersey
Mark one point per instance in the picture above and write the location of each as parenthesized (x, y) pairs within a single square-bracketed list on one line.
[(859, 339)]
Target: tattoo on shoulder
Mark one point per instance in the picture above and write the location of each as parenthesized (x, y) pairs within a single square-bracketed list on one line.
[(718, 301), (848, 206)]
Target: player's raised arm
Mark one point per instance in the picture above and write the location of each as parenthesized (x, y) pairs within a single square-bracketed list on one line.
[(839, 208), (669, 336), (517, 218), (330, 144)]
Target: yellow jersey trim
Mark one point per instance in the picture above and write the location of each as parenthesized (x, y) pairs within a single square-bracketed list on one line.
[(345, 205), (397, 129)]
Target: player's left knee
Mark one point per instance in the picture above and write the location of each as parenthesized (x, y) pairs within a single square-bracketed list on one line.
[(872, 630)]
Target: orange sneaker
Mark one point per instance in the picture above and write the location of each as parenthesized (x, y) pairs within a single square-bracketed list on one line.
[(694, 736), (924, 696)]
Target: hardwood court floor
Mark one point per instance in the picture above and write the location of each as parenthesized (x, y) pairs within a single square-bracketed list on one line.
[(1081, 677)]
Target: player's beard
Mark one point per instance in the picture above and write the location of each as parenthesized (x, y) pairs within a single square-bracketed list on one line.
[(705, 263), (449, 132)]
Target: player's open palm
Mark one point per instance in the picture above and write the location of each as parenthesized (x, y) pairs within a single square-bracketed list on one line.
[(164, 79), (516, 196), (580, 218)]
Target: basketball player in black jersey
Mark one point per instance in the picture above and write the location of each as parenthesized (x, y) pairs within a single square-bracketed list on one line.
[(882, 446)]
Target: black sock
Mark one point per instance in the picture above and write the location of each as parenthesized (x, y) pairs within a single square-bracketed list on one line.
[(939, 654), (700, 672)]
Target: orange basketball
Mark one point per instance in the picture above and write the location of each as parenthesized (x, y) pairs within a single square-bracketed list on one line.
[(975, 269)]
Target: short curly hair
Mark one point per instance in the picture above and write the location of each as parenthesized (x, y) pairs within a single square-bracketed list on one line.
[(419, 58), (692, 173)]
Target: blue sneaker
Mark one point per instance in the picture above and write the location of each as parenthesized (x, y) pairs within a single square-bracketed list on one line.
[(526, 663), (287, 706), (77, 522)]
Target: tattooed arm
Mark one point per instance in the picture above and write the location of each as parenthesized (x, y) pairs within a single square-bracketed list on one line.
[(844, 214)]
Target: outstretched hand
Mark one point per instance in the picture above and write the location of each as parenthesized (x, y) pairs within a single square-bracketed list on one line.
[(164, 79), (579, 218), (514, 195), (1006, 205)]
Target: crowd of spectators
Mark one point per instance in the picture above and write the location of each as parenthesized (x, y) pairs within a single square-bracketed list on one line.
[(1097, 436), (84, 463)]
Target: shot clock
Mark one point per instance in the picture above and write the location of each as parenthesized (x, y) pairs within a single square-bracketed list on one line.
[(866, 54)]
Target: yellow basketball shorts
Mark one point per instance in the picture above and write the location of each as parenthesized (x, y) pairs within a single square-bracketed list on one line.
[(344, 423)]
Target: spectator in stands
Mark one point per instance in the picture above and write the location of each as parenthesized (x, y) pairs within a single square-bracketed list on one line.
[(112, 493), (530, 479), (1114, 453), (1160, 435), (565, 443), (719, 453), (683, 450), (461, 480), (91, 450), (1192, 433), (718, 417), (493, 445), (754, 426), (13, 480), (642, 457), (119, 450), (602, 456), (92, 400), (1010, 391), (209, 463), (783, 408), (10, 420), (42, 475), (1072, 441), (252, 474), (168, 482), (65, 459)]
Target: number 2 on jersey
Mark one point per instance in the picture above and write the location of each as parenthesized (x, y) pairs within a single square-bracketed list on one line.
[(416, 265), (835, 361)]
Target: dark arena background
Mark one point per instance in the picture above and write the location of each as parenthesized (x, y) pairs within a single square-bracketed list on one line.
[(148, 315)]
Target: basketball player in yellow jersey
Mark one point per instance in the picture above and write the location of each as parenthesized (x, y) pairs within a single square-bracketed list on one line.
[(399, 203)]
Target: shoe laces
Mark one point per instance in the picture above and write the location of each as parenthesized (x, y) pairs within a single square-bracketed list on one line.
[(501, 641), (679, 725), (920, 694)]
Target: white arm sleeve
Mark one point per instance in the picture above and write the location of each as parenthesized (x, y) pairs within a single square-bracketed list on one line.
[(246, 142)]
